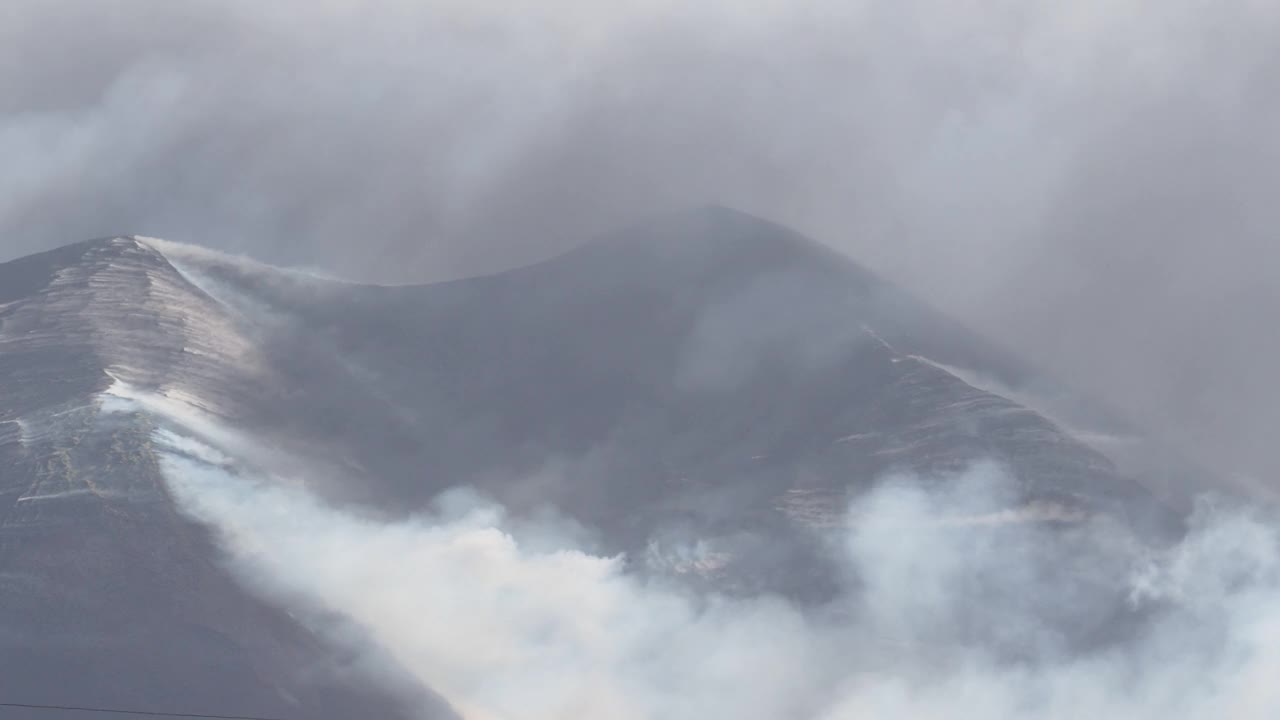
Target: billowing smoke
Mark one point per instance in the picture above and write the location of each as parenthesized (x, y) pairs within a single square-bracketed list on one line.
[(957, 606)]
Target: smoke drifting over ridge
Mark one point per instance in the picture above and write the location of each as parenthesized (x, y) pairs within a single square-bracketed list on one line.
[(1088, 182)]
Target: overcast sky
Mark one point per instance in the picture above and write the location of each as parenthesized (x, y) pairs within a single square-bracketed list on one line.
[(1092, 182)]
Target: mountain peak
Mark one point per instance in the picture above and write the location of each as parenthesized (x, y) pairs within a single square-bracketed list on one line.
[(715, 231), (703, 246), (30, 274)]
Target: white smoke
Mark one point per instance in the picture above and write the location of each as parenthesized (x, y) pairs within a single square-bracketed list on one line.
[(957, 610)]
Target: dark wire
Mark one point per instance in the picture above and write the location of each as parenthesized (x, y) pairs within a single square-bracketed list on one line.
[(115, 711)]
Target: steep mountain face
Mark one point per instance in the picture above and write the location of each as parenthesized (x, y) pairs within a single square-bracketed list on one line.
[(704, 350), (108, 596), (707, 376)]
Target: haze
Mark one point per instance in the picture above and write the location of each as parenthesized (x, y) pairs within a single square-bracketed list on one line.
[(1090, 183)]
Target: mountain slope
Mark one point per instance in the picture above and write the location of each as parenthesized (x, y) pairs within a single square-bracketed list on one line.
[(707, 378), (706, 370), (108, 595)]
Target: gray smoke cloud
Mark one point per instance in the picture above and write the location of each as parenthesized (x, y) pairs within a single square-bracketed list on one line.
[(952, 616), (1089, 182)]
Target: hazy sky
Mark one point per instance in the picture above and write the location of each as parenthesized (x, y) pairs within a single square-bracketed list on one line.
[(1091, 182)]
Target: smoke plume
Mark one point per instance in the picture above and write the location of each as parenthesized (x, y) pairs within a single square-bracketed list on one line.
[(957, 606)]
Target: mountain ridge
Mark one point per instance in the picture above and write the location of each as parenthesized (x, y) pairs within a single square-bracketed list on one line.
[(706, 376)]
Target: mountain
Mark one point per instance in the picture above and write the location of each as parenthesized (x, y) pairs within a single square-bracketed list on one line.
[(707, 376)]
